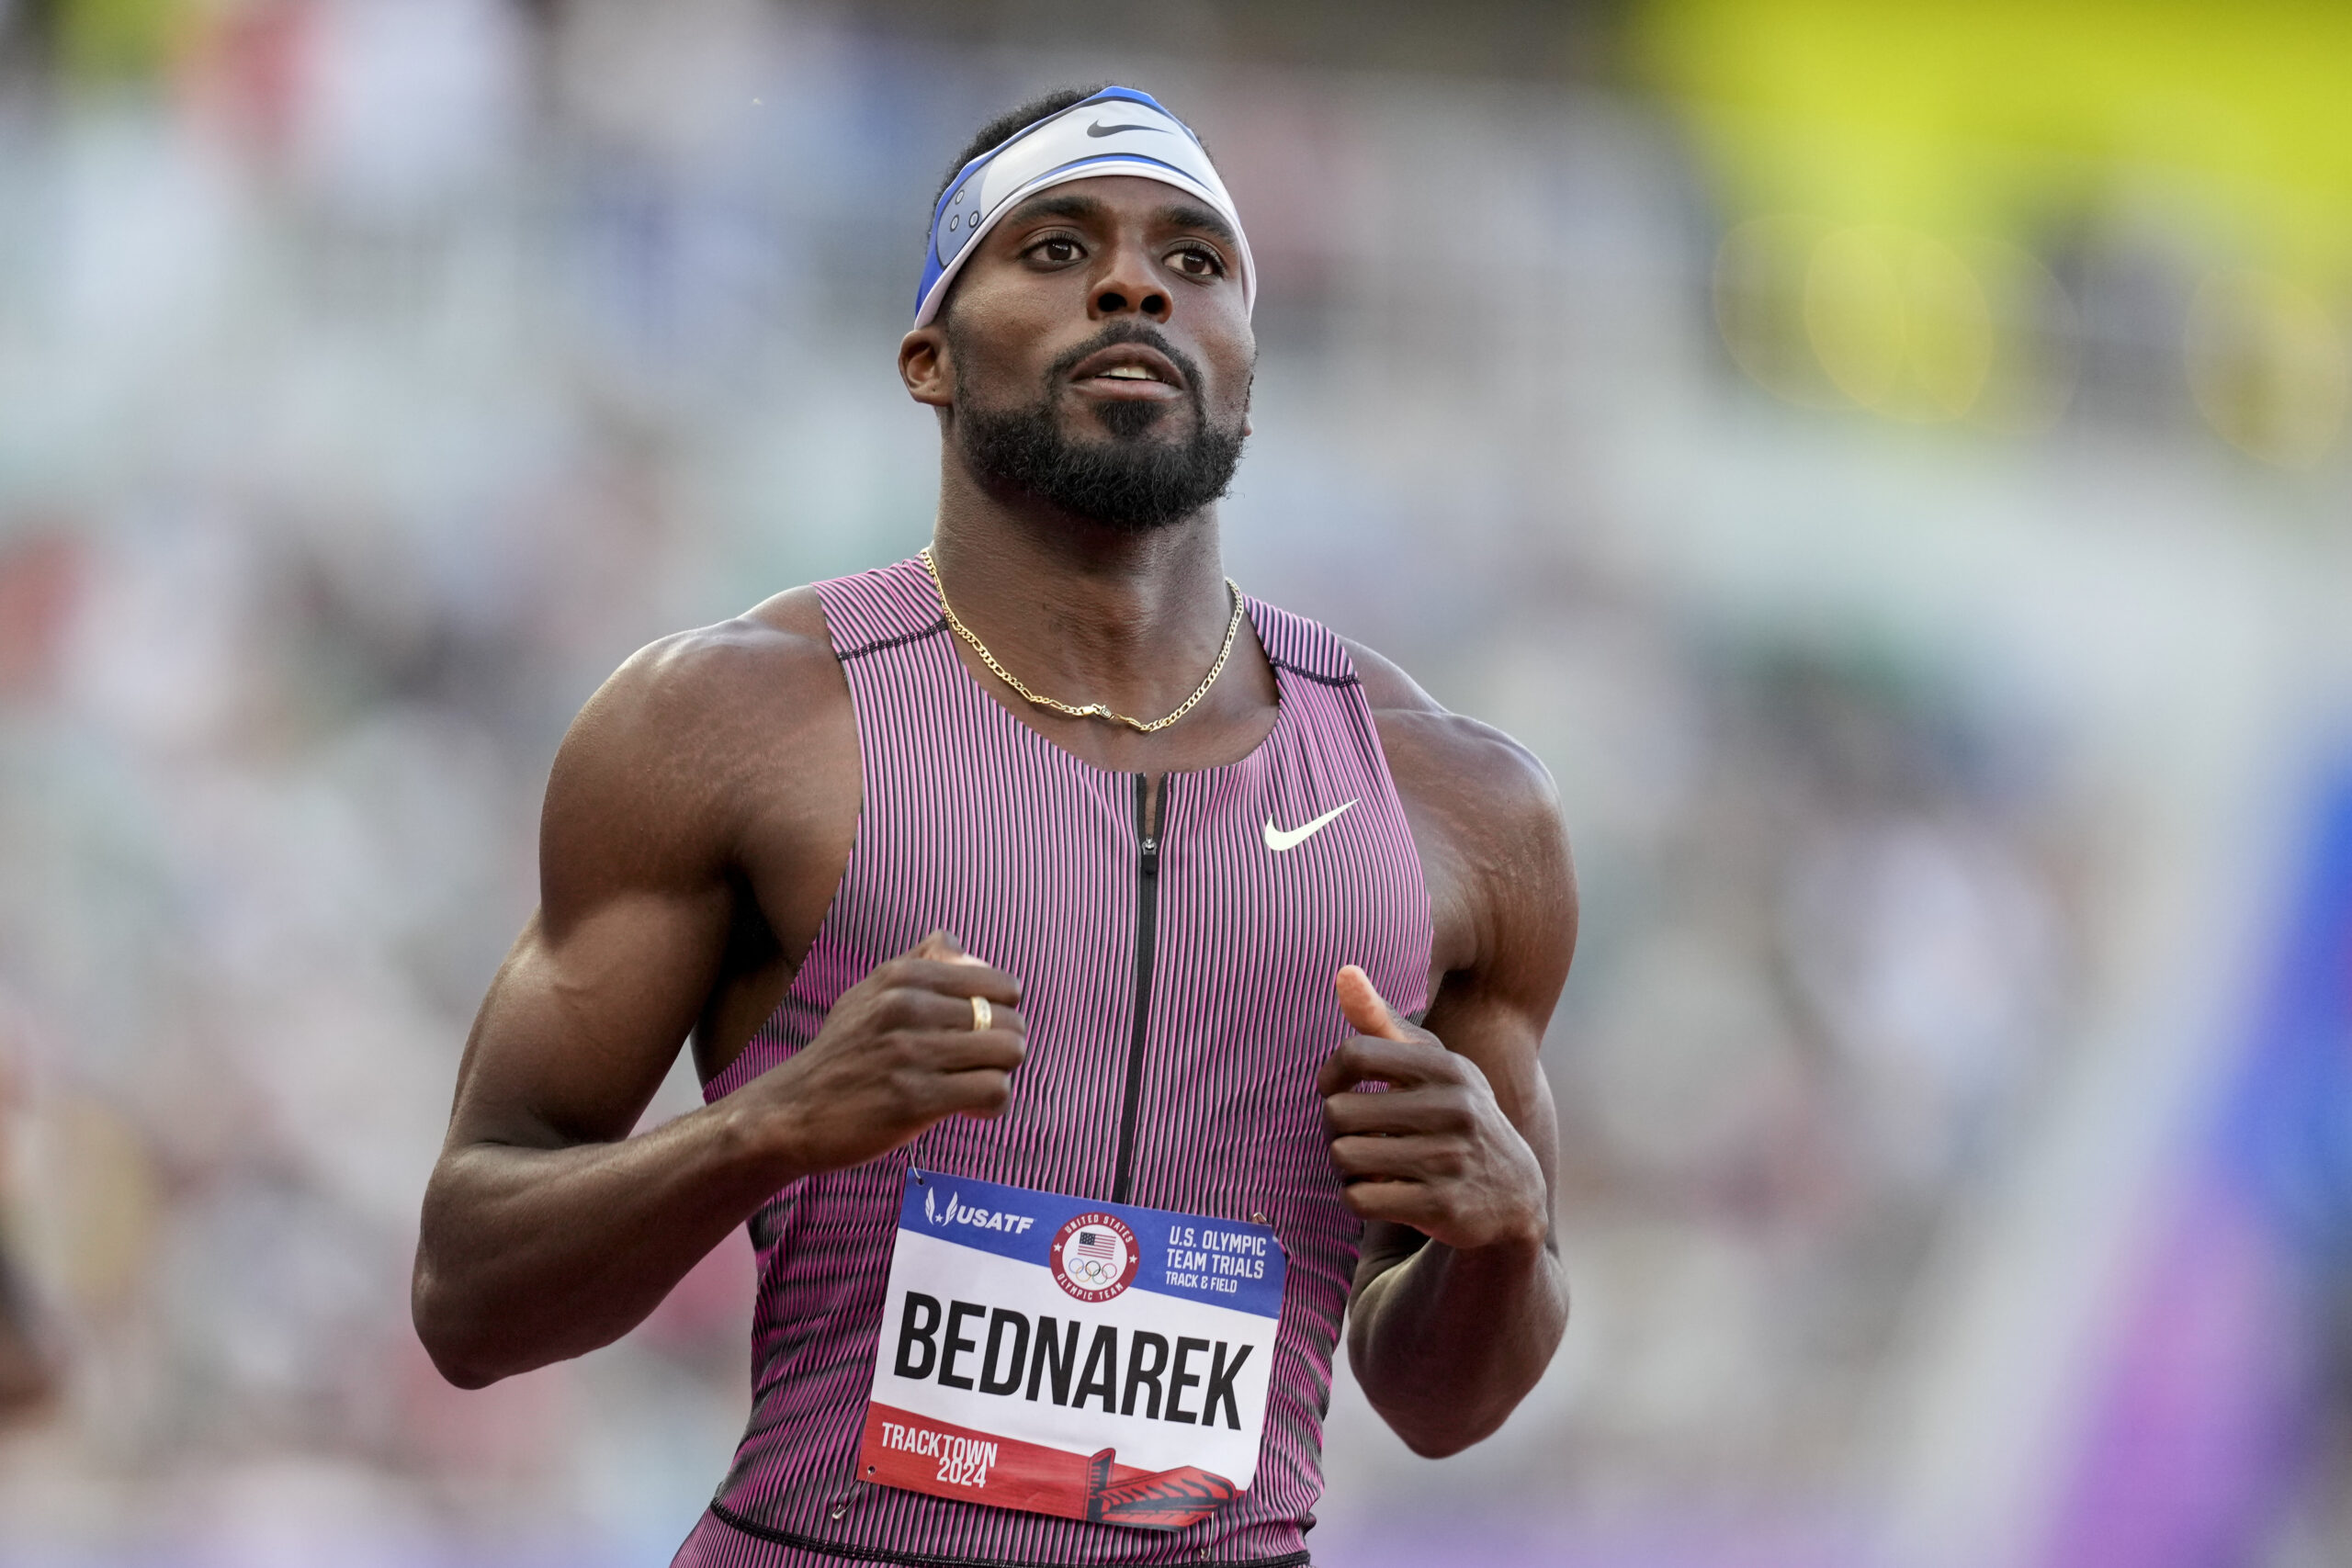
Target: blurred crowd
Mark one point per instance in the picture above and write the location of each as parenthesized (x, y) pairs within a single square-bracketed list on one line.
[(1944, 730)]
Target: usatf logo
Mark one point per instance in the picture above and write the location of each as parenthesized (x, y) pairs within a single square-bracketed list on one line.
[(958, 1214), (1094, 1257)]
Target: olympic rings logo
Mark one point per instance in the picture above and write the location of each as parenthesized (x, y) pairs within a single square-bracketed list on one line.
[(1093, 1272)]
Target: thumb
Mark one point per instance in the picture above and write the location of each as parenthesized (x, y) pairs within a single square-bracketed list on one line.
[(944, 946), (939, 944), (1365, 1007)]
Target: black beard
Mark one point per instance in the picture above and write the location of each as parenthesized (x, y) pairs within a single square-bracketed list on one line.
[(1129, 481)]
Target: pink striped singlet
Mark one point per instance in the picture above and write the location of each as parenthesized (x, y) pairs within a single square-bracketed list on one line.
[(1177, 983)]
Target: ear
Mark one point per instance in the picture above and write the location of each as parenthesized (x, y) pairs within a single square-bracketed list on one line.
[(925, 366)]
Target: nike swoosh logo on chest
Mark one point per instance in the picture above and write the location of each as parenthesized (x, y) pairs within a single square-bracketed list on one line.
[(1281, 838)]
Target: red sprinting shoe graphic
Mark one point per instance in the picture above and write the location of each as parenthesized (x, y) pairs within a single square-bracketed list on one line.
[(1165, 1500)]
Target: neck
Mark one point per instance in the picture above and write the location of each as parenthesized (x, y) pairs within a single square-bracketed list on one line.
[(1081, 612)]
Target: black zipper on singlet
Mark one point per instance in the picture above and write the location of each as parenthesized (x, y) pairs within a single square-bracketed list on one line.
[(1147, 935)]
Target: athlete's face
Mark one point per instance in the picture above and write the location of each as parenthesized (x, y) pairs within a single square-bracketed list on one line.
[(1096, 351)]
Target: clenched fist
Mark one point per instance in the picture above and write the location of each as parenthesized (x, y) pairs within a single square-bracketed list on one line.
[(1432, 1150), (898, 1053)]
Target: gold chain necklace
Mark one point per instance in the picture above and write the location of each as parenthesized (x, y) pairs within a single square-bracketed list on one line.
[(1090, 710)]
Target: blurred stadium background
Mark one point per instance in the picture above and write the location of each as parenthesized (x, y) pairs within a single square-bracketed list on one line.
[(1891, 461)]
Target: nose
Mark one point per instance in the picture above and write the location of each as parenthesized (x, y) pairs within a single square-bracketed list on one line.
[(1126, 286)]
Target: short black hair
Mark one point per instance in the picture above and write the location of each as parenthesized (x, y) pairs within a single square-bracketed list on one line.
[(1010, 121)]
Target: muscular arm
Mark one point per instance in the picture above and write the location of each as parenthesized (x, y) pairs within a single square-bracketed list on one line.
[(699, 795), (1460, 1299)]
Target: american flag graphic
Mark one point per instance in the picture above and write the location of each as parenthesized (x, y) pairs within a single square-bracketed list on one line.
[(1094, 1243)]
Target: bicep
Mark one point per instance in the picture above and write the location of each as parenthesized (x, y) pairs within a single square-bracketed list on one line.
[(1514, 863), (1507, 847), (578, 1032), (598, 993)]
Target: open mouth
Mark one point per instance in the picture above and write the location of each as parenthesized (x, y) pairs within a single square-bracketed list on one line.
[(1129, 369)]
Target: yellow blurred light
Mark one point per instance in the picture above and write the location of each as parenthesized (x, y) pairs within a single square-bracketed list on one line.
[(2036, 340), (1874, 316), (2227, 126), (2268, 365), (1949, 327), (1760, 286), (115, 39), (1899, 322), (1854, 314), (1989, 116)]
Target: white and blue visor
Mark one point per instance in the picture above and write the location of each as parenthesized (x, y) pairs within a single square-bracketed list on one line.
[(1116, 131)]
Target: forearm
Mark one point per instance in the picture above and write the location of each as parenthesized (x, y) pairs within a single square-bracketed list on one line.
[(527, 1256), (1446, 1343)]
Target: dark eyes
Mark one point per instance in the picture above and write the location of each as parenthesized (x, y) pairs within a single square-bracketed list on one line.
[(1199, 261), (1191, 260)]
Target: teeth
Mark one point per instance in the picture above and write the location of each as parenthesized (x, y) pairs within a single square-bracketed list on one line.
[(1130, 373)]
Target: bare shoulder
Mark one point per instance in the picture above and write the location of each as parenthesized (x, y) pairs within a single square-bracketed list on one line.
[(665, 768), (1485, 816), (769, 651), (1448, 761), (691, 700)]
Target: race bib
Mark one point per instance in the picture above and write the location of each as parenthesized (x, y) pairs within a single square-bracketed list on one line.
[(1095, 1360)]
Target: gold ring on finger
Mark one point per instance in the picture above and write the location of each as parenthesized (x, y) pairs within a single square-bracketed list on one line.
[(982, 1014)]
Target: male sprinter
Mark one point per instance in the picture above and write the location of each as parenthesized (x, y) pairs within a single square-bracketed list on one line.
[(1037, 907)]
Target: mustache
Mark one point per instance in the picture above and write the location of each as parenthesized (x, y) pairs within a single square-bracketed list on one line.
[(1128, 332)]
